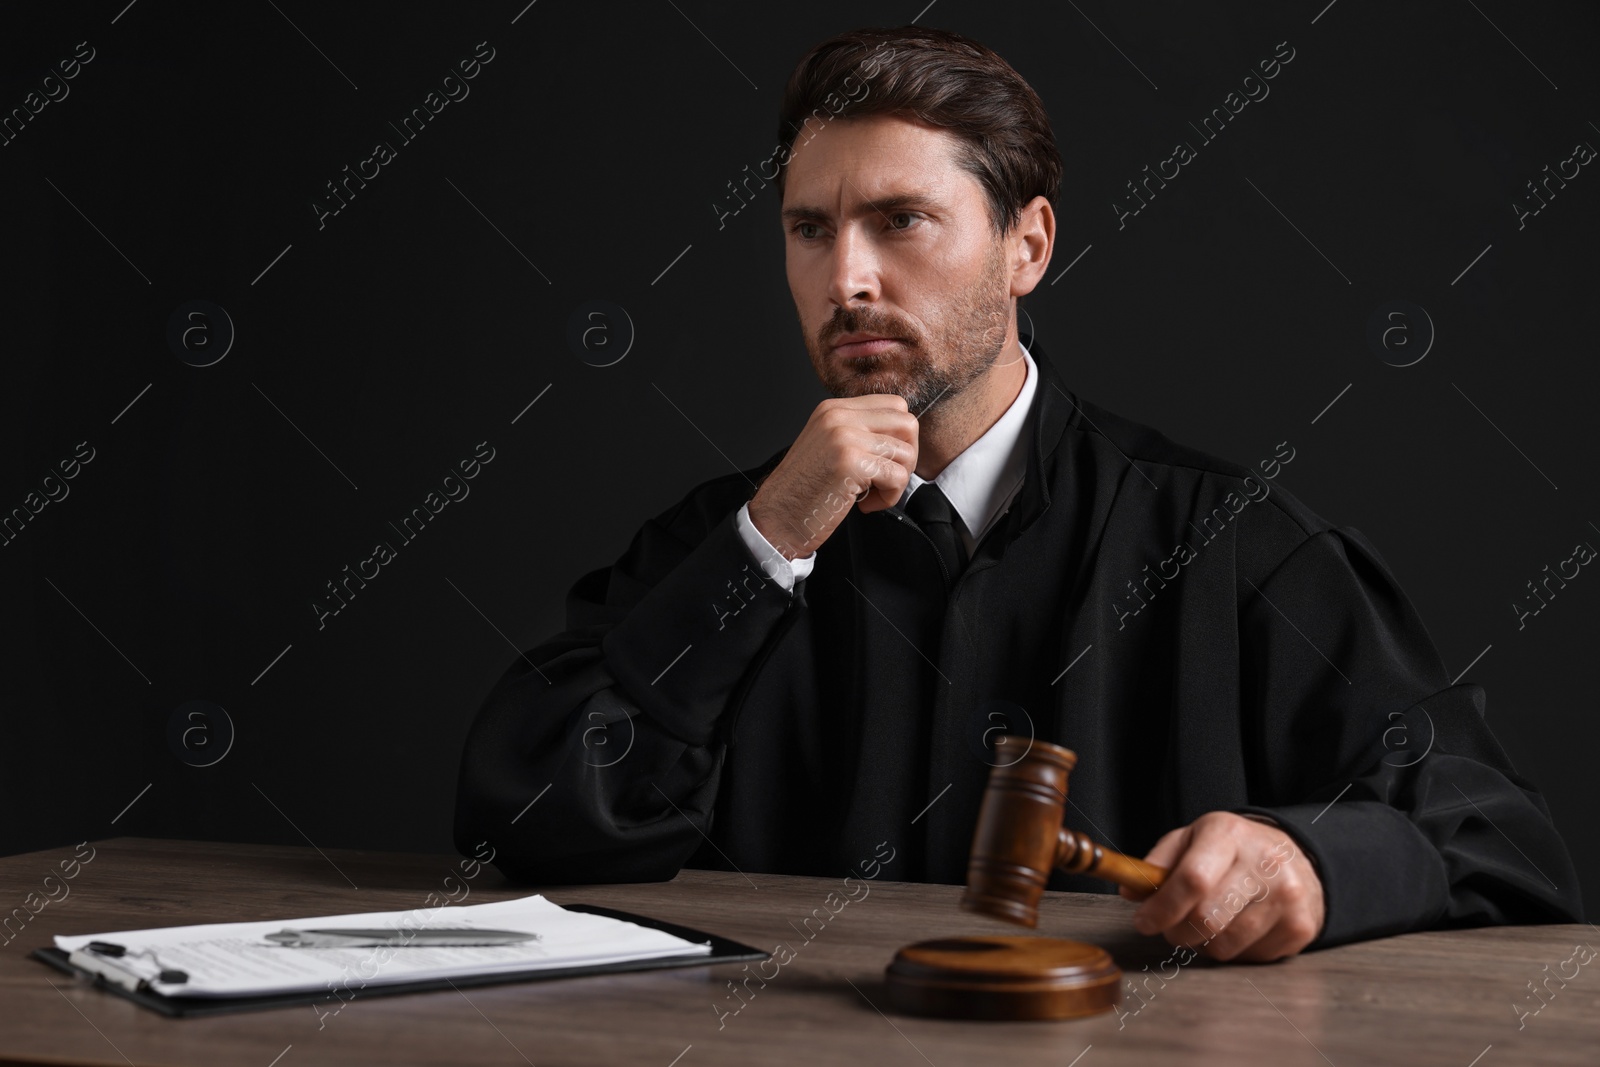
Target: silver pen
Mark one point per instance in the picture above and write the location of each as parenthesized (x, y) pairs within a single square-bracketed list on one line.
[(424, 937)]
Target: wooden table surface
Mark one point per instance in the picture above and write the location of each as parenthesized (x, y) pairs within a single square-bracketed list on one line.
[(1431, 998)]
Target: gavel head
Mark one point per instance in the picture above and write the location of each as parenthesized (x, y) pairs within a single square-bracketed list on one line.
[(1015, 845)]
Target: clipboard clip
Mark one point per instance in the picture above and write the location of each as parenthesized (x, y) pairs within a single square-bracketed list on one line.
[(93, 958)]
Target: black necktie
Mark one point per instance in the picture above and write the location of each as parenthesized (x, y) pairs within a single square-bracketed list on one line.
[(931, 510)]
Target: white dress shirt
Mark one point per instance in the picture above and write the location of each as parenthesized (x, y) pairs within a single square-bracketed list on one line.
[(979, 483)]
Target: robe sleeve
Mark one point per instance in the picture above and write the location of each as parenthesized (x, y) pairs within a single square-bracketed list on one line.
[(1380, 768), (596, 757)]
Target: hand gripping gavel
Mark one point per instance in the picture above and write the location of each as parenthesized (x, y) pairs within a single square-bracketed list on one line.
[(1019, 839)]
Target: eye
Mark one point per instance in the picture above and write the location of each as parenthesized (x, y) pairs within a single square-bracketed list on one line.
[(798, 229), (902, 215)]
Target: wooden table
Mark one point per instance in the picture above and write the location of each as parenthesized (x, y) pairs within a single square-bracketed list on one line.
[(1431, 998)]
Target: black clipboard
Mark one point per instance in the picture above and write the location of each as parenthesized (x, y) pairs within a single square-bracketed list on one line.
[(722, 951)]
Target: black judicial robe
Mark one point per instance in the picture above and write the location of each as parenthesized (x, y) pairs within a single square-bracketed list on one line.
[(1197, 635)]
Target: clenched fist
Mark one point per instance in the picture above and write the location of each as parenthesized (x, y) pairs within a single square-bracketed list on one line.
[(853, 451), (1236, 889)]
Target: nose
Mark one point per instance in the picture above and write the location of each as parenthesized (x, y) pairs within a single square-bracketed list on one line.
[(853, 268)]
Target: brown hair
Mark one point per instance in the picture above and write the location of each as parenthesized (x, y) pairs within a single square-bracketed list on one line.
[(940, 79)]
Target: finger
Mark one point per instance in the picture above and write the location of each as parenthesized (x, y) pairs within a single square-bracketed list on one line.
[(885, 483), (1172, 842), (1166, 851), (868, 451), (1280, 941), (1242, 931), (896, 422), (1218, 911), (881, 448), (876, 469), (870, 401), (1210, 855), (872, 434), (1299, 919), (878, 415)]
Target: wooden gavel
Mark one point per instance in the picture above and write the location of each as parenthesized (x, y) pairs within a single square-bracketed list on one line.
[(1019, 839)]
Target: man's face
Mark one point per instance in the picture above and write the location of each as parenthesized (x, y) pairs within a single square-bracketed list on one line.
[(886, 236)]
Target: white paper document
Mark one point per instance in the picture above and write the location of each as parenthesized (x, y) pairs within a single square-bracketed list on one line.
[(236, 960)]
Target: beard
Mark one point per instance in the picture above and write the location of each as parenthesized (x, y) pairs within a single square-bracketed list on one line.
[(927, 368)]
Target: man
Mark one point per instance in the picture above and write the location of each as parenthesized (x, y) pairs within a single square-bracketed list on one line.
[(802, 665)]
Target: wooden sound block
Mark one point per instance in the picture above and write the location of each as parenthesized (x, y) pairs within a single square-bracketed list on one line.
[(1003, 978)]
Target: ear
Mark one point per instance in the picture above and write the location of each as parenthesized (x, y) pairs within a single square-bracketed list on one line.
[(1031, 242)]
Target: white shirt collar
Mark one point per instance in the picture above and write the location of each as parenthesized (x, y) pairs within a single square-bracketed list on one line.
[(981, 481)]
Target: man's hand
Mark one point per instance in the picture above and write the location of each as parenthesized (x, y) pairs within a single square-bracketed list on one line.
[(858, 449), (1237, 889)]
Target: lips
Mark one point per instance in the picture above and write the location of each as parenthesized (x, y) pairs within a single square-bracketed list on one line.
[(867, 347)]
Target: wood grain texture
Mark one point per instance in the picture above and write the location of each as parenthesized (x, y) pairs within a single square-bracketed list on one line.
[(1429, 998), (998, 977)]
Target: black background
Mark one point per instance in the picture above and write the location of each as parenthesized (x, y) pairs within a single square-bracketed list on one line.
[(588, 162)]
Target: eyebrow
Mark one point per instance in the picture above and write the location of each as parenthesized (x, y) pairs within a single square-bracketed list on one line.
[(882, 205)]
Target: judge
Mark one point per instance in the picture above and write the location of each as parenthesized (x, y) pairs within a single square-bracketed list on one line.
[(804, 663)]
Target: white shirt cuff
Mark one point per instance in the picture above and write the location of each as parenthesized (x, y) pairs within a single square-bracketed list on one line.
[(786, 572)]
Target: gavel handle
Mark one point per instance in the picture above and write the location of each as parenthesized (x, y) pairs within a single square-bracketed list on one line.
[(1076, 854)]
